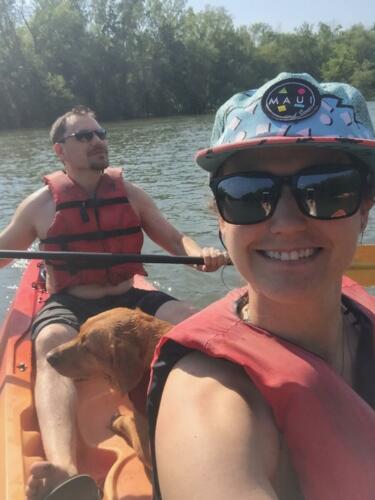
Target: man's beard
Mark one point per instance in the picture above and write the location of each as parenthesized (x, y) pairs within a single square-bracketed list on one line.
[(98, 161)]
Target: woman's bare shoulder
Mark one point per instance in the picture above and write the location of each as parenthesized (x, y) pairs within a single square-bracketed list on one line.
[(209, 378), (212, 410)]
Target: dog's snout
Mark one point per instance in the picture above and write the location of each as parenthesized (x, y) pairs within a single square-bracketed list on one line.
[(53, 358)]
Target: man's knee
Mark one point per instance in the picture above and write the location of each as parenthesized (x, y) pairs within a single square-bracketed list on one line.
[(175, 311), (50, 337)]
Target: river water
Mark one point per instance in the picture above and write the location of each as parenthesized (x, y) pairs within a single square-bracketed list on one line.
[(156, 154)]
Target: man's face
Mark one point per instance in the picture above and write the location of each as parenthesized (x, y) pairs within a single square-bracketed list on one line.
[(82, 154)]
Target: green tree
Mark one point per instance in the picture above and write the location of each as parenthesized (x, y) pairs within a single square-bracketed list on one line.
[(137, 58)]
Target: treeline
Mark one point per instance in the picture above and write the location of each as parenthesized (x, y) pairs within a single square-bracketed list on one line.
[(139, 58)]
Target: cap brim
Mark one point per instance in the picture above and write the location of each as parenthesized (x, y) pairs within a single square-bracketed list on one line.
[(211, 159)]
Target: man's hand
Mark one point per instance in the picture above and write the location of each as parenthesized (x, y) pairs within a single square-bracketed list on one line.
[(213, 259)]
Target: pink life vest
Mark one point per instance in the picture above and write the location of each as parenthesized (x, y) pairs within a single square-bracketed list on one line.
[(104, 223), (329, 428)]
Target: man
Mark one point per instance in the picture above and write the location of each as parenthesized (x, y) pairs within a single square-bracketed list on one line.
[(87, 207)]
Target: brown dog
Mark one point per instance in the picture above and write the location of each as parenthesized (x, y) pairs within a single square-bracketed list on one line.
[(117, 345)]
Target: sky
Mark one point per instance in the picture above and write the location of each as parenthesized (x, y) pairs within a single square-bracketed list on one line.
[(285, 15)]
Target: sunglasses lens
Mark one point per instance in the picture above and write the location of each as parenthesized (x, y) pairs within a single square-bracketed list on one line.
[(87, 135), (246, 200), (324, 192), (101, 133), (84, 136), (333, 194)]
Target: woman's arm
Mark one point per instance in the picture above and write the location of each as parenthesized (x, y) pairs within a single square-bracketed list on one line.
[(215, 437)]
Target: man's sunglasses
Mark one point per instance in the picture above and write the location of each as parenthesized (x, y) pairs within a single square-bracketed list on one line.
[(87, 135), (328, 191)]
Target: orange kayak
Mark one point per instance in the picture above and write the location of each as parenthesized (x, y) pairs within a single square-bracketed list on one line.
[(101, 454)]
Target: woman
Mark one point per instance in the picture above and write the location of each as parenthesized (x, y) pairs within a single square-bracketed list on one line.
[(269, 393)]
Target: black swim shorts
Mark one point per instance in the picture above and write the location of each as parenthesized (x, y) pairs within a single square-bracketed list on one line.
[(73, 311)]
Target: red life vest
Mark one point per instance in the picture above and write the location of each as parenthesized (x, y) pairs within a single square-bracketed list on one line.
[(329, 428), (104, 223)]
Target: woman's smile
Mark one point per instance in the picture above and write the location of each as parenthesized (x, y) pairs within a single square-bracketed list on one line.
[(294, 255)]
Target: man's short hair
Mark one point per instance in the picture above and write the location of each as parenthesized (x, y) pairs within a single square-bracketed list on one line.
[(58, 128)]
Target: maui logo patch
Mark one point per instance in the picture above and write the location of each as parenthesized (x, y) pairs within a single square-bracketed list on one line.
[(291, 100)]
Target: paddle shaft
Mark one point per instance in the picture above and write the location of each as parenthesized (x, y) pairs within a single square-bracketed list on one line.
[(363, 266), (128, 257), (101, 257)]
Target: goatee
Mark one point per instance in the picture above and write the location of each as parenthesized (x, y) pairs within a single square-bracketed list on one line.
[(99, 162)]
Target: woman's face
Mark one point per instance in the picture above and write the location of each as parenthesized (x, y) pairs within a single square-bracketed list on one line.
[(291, 256)]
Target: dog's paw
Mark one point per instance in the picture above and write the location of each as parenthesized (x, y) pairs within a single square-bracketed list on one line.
[(114, 417), (123, 425), (114, 424)]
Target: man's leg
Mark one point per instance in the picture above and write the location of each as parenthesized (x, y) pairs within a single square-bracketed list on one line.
[(55, 401), (158, 304), (175, 311)]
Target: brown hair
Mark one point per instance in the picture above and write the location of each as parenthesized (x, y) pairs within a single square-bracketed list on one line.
[(58, 128)]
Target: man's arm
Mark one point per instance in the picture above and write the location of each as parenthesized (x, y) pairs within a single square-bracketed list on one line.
[(164, 234), (215, 437), (22, 230)]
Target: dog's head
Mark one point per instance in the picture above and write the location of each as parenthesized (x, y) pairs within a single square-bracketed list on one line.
[(117, 345)]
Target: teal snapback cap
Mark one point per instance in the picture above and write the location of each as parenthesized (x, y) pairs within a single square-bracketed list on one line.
[(293, 109)]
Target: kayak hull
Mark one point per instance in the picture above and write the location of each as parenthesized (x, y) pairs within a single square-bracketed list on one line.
[(101, 454)]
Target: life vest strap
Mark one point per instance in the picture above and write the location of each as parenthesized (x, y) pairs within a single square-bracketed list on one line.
[(94, 235)]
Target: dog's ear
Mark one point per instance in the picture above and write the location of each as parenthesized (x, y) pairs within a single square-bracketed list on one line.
[(128, 364)]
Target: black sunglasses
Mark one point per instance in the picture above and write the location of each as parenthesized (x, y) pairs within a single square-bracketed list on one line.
[(87, 135), (328, 191)]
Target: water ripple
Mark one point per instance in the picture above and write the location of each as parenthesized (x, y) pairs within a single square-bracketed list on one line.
[(157, 154)]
